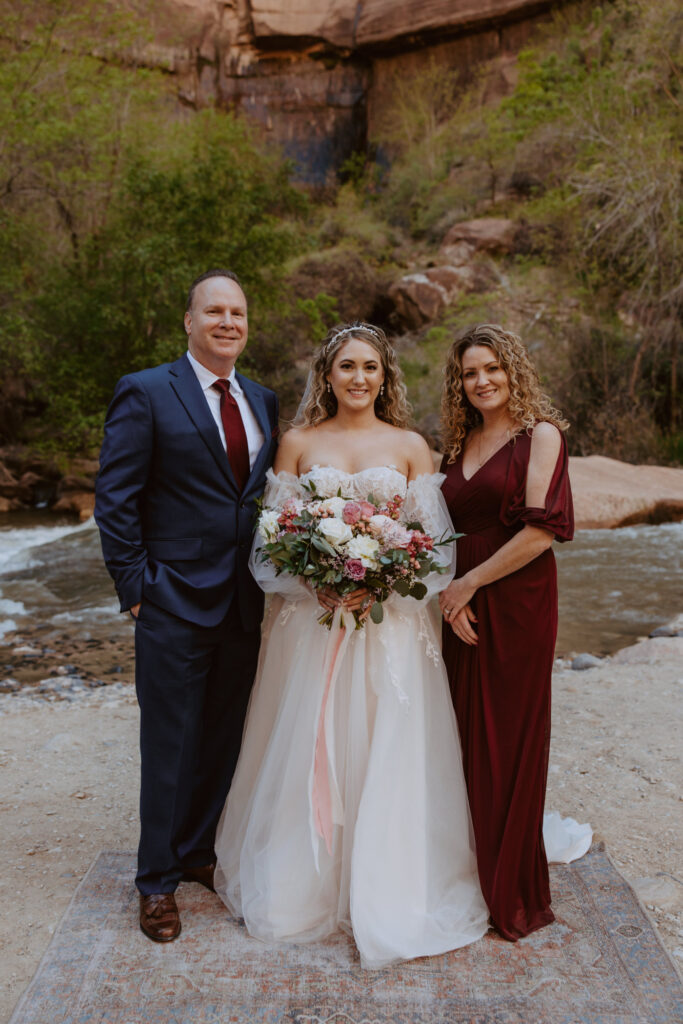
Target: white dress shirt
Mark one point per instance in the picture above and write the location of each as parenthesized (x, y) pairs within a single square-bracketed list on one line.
[(252, 429)]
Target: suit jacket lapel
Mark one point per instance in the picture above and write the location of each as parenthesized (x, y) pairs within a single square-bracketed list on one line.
[(188, 389), (256, 400)]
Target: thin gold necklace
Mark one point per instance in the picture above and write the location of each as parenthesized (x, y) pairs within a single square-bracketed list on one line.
[(492, 450)]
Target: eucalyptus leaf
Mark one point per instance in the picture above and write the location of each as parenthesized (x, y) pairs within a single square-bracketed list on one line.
[(322, 545)]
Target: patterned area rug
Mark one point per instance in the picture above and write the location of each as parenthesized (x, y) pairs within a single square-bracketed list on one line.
[(600, 963)]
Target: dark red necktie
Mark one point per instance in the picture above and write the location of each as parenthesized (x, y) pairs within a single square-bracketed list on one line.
[(235, 434)]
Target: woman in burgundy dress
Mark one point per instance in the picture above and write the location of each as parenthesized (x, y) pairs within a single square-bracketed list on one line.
[(507, 489)]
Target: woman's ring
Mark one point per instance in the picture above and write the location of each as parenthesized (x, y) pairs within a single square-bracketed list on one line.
[(447, 611)]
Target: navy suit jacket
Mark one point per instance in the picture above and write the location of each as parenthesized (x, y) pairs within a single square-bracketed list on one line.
[(174, 527)]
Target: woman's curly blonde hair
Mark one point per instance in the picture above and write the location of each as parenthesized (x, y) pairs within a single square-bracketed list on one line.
[(320, 404), (527, 406)]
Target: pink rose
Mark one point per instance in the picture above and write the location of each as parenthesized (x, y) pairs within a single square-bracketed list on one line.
[(395, 535), (351, 513), (366, 509), (354, 569)]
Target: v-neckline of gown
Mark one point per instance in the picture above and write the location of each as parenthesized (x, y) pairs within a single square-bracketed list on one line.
[(469, 479)]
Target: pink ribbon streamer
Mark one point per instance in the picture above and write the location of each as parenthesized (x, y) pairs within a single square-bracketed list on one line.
[(321, 795)]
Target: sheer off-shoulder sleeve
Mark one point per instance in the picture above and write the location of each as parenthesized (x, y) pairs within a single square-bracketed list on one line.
[(280, 487), (558, 514), (425, 504)]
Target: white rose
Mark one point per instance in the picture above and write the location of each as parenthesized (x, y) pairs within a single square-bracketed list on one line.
[(364, 548), (268, 524), (335, 531), (335, 506)]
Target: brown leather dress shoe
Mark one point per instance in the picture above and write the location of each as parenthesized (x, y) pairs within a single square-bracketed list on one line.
[(159, 917), (203, 875)]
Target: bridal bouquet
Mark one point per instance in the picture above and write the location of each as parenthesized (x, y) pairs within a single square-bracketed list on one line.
[(344, 544)]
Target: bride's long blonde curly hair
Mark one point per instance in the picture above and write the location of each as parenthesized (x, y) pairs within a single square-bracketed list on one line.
[(528, 405), (320, 404)]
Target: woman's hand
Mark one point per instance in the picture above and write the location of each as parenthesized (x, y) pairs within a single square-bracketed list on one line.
[(456, 609), (359, 600), (326, 597), (461, 626)]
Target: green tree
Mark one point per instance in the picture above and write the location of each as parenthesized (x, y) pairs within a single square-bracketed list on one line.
[(216, 200), (112, 201)]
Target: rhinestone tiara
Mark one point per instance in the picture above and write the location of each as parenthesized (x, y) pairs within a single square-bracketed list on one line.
[(350, 330)]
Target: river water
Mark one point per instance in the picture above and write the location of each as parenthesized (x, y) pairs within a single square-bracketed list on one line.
[(615, 585)]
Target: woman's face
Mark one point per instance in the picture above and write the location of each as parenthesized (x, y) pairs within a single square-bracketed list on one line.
[(484, 380), (356, 375)]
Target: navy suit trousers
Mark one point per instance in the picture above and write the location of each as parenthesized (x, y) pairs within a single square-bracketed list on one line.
[(193, 684)]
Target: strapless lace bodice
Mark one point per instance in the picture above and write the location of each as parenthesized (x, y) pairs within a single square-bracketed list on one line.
[(382, 481)]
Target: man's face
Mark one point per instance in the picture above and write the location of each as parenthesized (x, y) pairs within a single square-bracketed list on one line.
[(216, 325)]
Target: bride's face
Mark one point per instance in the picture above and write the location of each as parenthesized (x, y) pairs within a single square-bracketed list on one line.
[(356, 375)]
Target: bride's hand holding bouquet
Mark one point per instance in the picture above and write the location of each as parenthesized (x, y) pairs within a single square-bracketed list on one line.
[(352, 552)]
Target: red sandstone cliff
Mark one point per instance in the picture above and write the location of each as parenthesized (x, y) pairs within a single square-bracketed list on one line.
[(316, 75)]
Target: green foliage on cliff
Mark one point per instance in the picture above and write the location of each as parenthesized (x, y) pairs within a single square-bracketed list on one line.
[(585, 151)]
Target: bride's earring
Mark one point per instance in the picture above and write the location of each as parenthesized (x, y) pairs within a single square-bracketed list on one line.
[(329, 388), (381, 390)]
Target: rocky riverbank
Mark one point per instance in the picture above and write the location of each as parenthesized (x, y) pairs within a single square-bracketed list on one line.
[(69, 761), (607, 493), (29, 481)]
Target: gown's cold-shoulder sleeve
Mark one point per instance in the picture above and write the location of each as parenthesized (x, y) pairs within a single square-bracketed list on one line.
[(425, 504), (280, 487), (558, 514)]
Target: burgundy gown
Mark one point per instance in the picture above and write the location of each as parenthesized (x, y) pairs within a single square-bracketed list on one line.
[(501, 687)]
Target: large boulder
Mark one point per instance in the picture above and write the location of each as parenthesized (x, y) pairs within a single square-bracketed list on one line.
[(485, 234), (29, 480), (344, 275), (651, 652), (7, 478), (420, 298), (478, 276), (79, 503), (15, 492), (610, 493), (417, 300)]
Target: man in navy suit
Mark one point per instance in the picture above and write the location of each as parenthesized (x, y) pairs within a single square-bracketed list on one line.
[(185, 454)]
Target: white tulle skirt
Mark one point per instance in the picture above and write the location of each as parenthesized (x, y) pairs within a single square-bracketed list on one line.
[(395, 864)]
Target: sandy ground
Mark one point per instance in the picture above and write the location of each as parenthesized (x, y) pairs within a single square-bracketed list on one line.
[(69, 785)]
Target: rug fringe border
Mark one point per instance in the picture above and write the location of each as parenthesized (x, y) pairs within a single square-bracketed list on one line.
[(26, 994), (599, 846)]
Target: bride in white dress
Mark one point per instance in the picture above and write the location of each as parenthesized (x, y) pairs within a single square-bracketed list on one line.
[(396, 866)]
